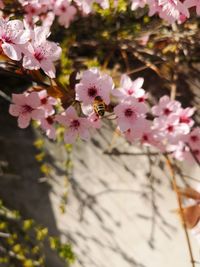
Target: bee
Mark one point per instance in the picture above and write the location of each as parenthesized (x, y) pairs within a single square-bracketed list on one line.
[(99, 106)]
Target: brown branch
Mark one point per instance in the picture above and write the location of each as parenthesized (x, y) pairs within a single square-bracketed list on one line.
[(171, 169)]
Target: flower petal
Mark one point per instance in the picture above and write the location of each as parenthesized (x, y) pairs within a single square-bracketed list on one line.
[(12, 51), (24, 120)]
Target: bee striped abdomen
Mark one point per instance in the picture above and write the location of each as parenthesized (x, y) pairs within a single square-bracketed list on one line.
[(100, 109), (99, 106)]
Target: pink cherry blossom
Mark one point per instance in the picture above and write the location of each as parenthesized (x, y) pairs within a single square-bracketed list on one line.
[(95, 120), (185, 116), (93, 84), (193, 3), (13, 36), (47, 103), (86, 6), (136, 133), (26, 107), (172, 10), (130, 114), (48, 125), (41, 53), (180, 151), (154, 7), (194, 138), (166, 107), (65, 11), (137, 3), (75, 126), (129, 88), (169, 129)]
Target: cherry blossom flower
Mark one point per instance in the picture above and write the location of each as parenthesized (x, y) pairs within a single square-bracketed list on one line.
[(169, 129), (75, 126), (47, 124), (136, 133), (93, 84), (137, 3), (129, 88), (94, 120), (13, 36), (180, 151), (194, 138), (41, 53), (153, 7), (166, 107), (172, 10), (193, 3), (47, 103), (185, 117), (65, 11), (130, 114), (26, 107), (86, 5)]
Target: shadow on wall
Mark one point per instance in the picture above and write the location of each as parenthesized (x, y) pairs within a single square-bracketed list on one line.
[(19, 186)]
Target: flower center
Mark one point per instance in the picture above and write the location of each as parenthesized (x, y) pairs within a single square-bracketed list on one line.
[(92, 91), (26, 109), (170, 128), (39, 56), (130, 91), (50, 120), (128, 112), (63, 9), (43, 101), (32, 10), (141, 99), (6, 39), (194, 138), (75, 124), (166, 111), (184, 119), (145, 137)]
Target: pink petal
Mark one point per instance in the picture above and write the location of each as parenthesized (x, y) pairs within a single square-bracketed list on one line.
[(14, 110), (12, 51), (48, 67), (23, 37), (29, 62), (37, 114), (70, 137), (33, 100), (71, 112), (19, 99), (15, 24), (43, 94), (84, 134), (125, 81), (40, 34), (137, 84), (24, 120)]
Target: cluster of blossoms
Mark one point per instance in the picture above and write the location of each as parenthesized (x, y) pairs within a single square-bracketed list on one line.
[(19, 42), (45, 11), (170, 129)]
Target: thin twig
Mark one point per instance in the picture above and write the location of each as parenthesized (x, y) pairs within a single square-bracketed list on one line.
[(171, 169), (5, 96)]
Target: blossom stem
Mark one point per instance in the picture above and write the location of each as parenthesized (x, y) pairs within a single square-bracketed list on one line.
[(175, 187), (5, 96)]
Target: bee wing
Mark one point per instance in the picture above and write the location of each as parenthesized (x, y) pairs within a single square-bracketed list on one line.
[(189, 192), (191, 215), (87, 109)]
